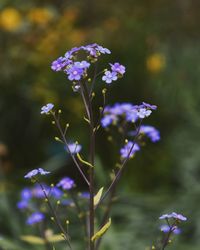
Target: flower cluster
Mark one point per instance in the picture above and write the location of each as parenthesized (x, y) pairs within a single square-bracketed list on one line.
[(76, 70), (117, 70), (30, 197), (125, 111)]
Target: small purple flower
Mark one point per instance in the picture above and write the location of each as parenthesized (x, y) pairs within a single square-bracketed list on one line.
[(165, 229), (107, 120), (174, 216), (45, 109), (35, 218), (23, 204), (26, 194), (74, 148), (35, 172), (103, 50), (178, 216), (85, 195), (74, 73), (59, 64), (126, 151), (150, 132), (82, 64), (66, 183), (118, 68), (143, 112), (109, 76), (149, 106)]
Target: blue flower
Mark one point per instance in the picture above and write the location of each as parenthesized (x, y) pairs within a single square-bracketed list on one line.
[(26, 194), (74, 73), (174, 216), (150, 132), (74, 148), (45, 109), (60, 63), (35, 218), (143, 112), (165, 229), (109, 76), (126, 151), (23, 204), (118, 68), (66, 183), (35, 172), (82, 64)]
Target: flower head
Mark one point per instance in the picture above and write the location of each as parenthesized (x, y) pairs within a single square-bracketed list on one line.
[(35, 218), (74, 148), (109, 76), (118, 68), (60, 63), (151, 132), (129, 149), (174, 216), (66, 183), (35, 172), (165, 229), (47, 108)]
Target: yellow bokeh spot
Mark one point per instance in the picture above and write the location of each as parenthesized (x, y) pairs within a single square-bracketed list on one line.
[(40, 16), (155, 62), (10, 19)]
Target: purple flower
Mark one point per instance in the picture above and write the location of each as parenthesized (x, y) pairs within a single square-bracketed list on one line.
[(143, 112), (174, 216), (126, 151), (103, 50), (23, 204), (45, 109), (74, 148), (82, 64), (118, 68), (59, 64), (74, 73), (85, 195), (149, 106), (66, 183), (178, 216), (26, 194), (35, 172), (109, 77), (107, 120), (150, 132), (50, 191), (35, 218), (165, 229)]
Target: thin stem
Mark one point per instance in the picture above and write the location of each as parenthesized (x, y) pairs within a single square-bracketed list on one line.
[(66, 236), (66, 144), (117, 176)]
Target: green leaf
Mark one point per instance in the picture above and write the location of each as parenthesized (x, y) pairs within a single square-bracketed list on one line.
[(97, 197), (102, 231)]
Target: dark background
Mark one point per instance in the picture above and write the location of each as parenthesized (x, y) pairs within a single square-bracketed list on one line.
[(158, 42)]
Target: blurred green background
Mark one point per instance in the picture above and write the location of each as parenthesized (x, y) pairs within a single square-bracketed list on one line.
[(158, 42)]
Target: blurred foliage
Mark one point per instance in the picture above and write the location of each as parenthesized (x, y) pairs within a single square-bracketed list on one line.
[(158, 41)]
